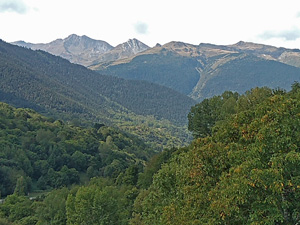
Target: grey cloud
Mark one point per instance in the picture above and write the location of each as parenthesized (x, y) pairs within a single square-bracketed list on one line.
[(17, 6), (141, 28), (289, 35)]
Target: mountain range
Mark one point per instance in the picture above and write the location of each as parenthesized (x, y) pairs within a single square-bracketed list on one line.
[(86, 51), (199, 71)]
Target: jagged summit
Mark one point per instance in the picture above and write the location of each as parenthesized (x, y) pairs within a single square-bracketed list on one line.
[(135, 46), (122, 51)]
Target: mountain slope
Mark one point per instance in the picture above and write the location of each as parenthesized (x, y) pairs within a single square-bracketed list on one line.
[(240, 72), (53, 85), (204, 70), (165, 68)]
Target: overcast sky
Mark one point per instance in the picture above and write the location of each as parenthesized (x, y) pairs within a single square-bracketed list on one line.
[(273, 22)]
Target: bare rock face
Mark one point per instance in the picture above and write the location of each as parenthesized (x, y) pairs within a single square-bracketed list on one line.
[(77, 49)]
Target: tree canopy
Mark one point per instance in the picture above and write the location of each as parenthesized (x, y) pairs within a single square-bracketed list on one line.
[(245, 172)]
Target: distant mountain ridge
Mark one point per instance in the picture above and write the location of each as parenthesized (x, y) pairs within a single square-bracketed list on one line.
[(199, 71), (86, 51), (205, 70)]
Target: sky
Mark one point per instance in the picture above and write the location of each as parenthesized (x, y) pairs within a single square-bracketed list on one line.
[(222, 22)]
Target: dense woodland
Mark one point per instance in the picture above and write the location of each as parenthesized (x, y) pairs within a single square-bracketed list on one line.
[(241, 168)]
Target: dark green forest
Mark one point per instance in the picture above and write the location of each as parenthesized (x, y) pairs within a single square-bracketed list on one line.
[(241, 168)]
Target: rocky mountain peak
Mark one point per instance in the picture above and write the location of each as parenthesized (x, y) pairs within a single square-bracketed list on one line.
[(73, 37), (133, 45)]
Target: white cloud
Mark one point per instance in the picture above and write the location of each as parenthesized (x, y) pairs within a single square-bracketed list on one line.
[(156, 21), (17, 6), (288, 35), (141, 28)]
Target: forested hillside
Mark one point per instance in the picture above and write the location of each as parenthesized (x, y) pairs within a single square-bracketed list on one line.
[(72, 175), (242, 168), (49, 153), (55, 87)]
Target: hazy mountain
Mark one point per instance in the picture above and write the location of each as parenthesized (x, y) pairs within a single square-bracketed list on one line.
[(86, 51), (77, 49), (54, 86), (204, 70)]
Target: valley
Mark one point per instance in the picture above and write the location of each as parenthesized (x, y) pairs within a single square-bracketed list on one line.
[(130, 135)]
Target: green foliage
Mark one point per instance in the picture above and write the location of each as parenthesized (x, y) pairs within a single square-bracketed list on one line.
[(130, 176), (4, 222), (39, 152), (204, 115), (53, 208), (246, 172), (16, 208), (21, 187), (100, 205), (154, 165)]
